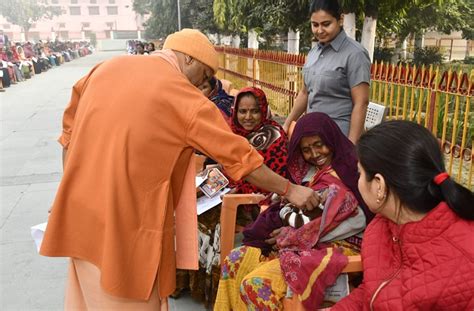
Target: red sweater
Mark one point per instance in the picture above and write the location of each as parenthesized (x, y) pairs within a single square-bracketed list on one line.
[(425, 265)]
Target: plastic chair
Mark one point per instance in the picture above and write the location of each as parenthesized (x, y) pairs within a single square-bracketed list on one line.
[(230, 202), (375, 115)]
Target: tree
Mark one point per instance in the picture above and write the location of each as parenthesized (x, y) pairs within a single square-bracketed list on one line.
[(163, 20), (25, 13), (443, 17), (268, 18)]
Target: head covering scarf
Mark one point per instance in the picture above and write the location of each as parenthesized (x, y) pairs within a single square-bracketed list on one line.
[(222, 100), (268, 137), (344, 159)]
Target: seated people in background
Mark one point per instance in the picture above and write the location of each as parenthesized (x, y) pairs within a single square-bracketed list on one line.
[(10, 67), (249, 119), (150, 47), (140, 48), (418, 252), (256, 275)]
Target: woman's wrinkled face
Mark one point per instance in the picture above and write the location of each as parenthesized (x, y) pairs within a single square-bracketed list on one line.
[(249, 115), (324, 26), (315, 151)]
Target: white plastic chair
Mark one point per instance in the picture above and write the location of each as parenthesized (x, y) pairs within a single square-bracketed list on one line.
[(375, 115)]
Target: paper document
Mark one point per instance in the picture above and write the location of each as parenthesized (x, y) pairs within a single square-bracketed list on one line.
[(37, 232), (205, 203)]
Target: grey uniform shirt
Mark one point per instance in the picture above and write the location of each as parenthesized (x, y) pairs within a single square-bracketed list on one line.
[(330, 72)]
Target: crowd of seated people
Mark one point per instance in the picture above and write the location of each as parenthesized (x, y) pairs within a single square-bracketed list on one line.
[(21, 61), (137, 47), (283, 247)]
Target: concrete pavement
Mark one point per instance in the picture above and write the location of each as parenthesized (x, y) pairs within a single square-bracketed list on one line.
[(31, 114)]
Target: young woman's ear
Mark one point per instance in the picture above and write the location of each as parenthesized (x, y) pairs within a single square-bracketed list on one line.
[(381, 187)]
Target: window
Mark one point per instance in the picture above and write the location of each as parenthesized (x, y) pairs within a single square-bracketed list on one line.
[(109, 25), (62, 25), (54, 1), (75, 10), (86, 25), (111, 1), (93, 10), (6, 26), (112, 10), (64, 35), (33, 26), (93, 1), (73, 1)]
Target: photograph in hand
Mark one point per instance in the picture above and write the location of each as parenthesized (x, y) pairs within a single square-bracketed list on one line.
[(215, 182)]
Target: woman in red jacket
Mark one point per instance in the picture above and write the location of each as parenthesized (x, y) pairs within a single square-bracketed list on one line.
[(418, 252)]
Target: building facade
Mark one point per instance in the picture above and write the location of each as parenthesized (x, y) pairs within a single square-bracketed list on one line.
[(82, 20)]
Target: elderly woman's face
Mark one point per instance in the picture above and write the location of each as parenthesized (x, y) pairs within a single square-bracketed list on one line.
[(249, 114), (315, 151)]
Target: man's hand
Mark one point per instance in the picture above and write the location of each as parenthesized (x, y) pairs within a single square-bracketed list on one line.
[(303, 197)]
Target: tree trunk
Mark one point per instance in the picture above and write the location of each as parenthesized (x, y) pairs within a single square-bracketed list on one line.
[(293, 41), (236, 41), (404, 49), (252, 39), (350, 25), (420, 39), (368, 34)]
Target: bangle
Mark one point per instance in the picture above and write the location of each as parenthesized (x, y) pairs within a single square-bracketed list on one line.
[(286, 188)]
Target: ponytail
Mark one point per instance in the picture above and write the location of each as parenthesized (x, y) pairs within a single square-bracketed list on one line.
[(458, 198)]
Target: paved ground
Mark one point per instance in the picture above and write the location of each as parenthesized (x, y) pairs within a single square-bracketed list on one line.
[(31, 169)]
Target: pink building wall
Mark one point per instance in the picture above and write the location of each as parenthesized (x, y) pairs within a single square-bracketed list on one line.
[(96, 16)]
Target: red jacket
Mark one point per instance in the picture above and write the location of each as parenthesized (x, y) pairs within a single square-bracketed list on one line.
[(425, 265)]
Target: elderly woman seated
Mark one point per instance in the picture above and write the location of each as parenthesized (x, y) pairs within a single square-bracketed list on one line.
[(257, 275)]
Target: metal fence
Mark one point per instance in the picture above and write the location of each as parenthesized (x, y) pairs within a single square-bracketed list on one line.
[(439, 100)]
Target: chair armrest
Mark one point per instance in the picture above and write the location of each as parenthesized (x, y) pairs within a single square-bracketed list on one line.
[(230, 202), (354, 264)]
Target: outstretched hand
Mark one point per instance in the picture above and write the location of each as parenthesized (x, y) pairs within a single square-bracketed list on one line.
[(303, 197)]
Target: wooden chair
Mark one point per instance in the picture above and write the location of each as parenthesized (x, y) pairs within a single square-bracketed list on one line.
[(375, 115)]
